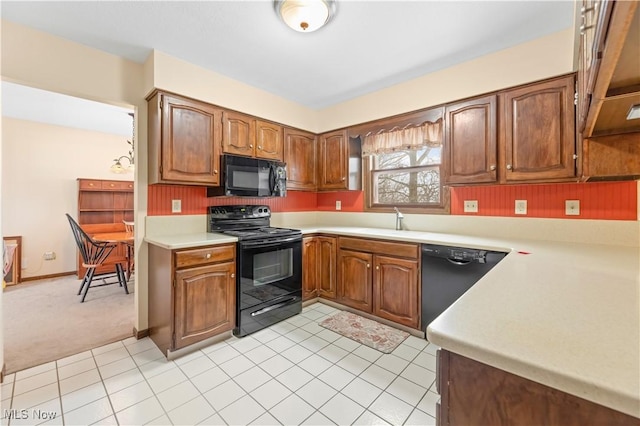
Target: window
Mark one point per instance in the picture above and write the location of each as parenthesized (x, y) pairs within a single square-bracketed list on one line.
[(403, 169)]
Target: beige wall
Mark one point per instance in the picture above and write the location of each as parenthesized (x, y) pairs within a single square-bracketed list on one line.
[(40, 165)]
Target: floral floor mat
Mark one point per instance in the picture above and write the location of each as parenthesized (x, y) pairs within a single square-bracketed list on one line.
[(368, 332)]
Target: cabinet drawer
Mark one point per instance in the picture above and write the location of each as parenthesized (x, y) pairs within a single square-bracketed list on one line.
[(203, 256), (114, 185), (380, 247), (88, 184)]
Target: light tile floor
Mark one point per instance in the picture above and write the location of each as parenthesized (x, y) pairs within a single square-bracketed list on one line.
[(294, 372)]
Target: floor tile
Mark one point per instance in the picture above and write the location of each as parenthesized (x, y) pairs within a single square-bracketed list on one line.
[(431, 349), (46, 412), (270, 393), (407, 391), (177, 395), (83, 396), (317, 419), (328, 335), (265, 335), (428, 403), (74, 358), (224, 394), (283, 327), (36, 381), (242, 412), (140, 346), (79, 381), (332, 353), (259, 354), (265, 420), (90, 413), (141, 413), (9, 378), (214, 420), (391, 409), (369, 418), (336, 377), (111, 356), (298, 335), (280, 344), (346, 344), (316, 393), (296, 353), (325, 309), (215, 346), (314, 365), (237, 365), (192, 412), (353, 364), (419, 418), (367, 353), (276, 365), (36, 396), (245, 344), (130, 340), (362, 392), (292, 411), (223, 354), (342, 410), (78, 367), (419, 375), (392, 363), (252, 378), (156, 367), (294, 378), (35, 370), (210, 379), (107, 348), (426, 360), (184, 359), (197, 366), (298, 320), (149, 355), (166, 380), (130, 396), (416, 342), (378, 376), (123, 380), (7, 391), (405, 352), (115, 368), (314, 343), (313, 314), (107, 421)]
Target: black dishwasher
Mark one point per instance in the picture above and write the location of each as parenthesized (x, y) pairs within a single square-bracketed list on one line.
[(448, 272)]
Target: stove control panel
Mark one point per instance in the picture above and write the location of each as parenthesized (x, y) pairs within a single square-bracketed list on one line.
[(239, 212)]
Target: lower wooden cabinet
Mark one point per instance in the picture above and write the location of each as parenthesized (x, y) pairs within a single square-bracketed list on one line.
[(192, 294), (319, 267), (473, 393), (381, 278)]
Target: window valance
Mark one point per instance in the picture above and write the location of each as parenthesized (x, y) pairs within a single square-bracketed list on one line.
[(428, 134)]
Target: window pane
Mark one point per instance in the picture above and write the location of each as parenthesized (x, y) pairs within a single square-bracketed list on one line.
[(417, 187), (395, 160)]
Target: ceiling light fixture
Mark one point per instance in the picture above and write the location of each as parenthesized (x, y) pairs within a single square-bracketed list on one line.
[(117, 166), (305, 16)]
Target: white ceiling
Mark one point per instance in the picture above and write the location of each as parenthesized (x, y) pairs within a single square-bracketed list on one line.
[(369, 45)]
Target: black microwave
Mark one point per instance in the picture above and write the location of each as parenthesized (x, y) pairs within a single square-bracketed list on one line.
[(251, 177)]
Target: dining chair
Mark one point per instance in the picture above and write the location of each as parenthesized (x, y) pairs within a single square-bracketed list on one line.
[(128, 227), (94, 255)]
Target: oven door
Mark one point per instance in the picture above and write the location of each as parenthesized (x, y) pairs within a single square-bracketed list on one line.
[(268, 270)]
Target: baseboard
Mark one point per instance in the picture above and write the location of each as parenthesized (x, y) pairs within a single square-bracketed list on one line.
[(44, 277), (140, 334)]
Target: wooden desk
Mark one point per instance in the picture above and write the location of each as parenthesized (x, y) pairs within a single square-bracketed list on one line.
[(120, 237)]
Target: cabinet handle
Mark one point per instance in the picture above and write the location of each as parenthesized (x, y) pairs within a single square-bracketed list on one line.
[(208, 256), (259, 147), (368, 266), (492, 167), (250, 145), (233, 275), (215, 172), (343, 179), (509, 167), (111, 185), (90, 184), (378, 267)]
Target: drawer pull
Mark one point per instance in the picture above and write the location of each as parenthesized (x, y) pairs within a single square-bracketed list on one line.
[(259, 147), (509, 167), (493, 167), (233, 275), (250, 146), (378, 267), (208, 256), (368, 265), (215, 172)]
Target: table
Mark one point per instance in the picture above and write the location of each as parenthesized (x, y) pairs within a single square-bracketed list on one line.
[(121, 237)]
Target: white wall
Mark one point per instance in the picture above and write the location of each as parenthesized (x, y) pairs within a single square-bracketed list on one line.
[(41, 163)]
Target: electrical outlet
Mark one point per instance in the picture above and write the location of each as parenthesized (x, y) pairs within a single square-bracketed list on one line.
[(471, 206), (176, 206), (49, 255), (572, 207), (521, 206), (338, 205)]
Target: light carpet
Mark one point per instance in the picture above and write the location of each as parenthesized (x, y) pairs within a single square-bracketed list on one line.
[(44, 320), (368, 332)]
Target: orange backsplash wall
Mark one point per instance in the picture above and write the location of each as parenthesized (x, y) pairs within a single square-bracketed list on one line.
[(598, 200), (352, 201)]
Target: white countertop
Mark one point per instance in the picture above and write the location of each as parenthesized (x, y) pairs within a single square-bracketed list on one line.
[(562, 314), (197, 239)]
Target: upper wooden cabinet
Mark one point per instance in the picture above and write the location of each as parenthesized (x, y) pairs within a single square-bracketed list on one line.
[(537, 131), (245, 135), (300, 156), (184, 141), (522, 134), (471, 141), (333, 162)]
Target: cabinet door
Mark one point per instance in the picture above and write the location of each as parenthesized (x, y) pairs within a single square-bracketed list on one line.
[(300, 156), (204, 303), (395, 290), (239, 135), (334, 161), (190, 140), (354, 279), (269, 141), (310, 262), (538, 131), (471, 141), (327, 267)]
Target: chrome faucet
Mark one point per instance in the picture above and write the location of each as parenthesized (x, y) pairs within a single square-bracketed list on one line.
[(399, 218)]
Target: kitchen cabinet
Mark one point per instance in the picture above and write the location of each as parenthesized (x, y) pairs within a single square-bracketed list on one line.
[(471, 139), (300, 155), (523, 134), (319, 267), (475, 393), (245, 135), (184, 141), (333, 161), (381, 278), (192, 294)]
